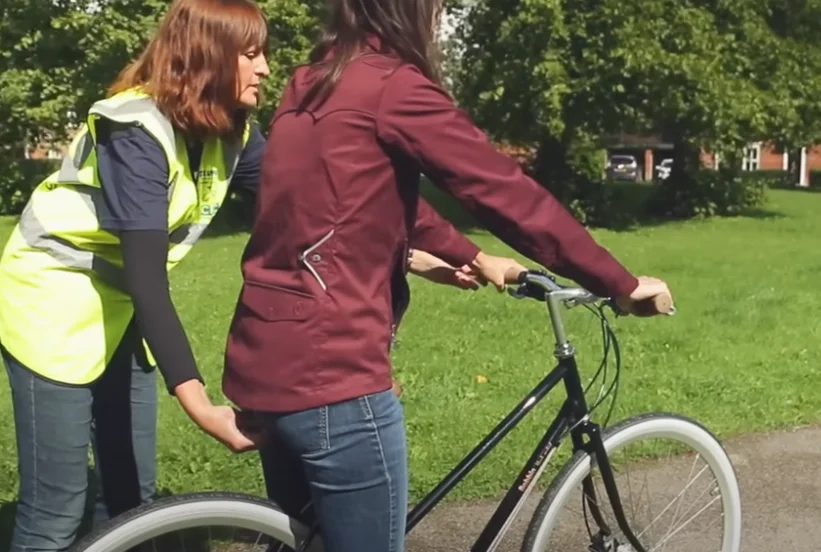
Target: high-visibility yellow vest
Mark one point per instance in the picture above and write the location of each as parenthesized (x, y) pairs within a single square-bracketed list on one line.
[(63, 307)]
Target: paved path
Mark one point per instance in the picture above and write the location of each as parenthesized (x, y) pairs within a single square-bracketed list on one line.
[(780, 478)]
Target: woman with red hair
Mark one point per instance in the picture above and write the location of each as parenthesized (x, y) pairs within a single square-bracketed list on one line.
[(85, 311)]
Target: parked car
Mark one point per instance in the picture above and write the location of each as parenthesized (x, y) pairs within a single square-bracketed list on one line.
[(664, 168), (623, 167)]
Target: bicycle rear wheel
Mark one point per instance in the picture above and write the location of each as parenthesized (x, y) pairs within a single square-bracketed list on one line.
[(704, 514), (218, 522)]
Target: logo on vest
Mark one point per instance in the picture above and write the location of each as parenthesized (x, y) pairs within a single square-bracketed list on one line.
[(205, 182)]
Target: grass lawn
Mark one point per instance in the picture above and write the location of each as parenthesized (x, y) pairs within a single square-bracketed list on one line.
[(741, 355)]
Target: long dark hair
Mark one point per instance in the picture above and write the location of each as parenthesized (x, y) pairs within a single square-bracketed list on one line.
[(406, 28)]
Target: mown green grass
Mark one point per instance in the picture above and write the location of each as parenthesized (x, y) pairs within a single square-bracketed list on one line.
[(741, 355)]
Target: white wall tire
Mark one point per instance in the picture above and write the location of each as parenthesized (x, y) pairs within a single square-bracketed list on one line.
[(192, 511), (648, 426)]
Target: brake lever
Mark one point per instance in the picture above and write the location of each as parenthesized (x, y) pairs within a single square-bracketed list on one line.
[(516, 292), (524, 291), (617, 311)]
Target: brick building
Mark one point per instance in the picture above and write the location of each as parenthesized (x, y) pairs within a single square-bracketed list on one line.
[(649, 151), (761, 156)]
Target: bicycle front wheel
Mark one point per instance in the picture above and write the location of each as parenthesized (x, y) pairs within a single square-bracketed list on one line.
[(687, 500), (218, 522)]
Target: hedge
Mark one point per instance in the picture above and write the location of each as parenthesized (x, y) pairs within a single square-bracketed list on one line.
[(19, 178), (712, 193)]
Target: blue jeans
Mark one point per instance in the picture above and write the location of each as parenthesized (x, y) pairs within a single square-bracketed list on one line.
[(55, 424), (344, 465)]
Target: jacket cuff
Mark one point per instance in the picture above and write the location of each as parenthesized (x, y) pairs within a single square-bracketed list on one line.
[(623, 285), (461, 251)]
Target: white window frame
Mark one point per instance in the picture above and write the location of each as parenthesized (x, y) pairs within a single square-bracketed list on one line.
[(752, 157)]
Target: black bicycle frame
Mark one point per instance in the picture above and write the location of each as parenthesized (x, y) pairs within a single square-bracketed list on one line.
[(573, 416)]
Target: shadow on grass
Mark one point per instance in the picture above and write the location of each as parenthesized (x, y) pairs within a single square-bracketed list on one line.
[(800, 189), (764, 214)]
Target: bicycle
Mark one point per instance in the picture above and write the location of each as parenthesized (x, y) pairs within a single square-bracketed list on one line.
[(593, 448)]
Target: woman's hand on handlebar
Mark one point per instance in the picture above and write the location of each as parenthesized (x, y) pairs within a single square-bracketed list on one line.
[(499, 271), (648, 289)]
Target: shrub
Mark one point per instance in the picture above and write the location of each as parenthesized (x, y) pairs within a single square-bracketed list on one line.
[(19, 178), (815, 178), (610, 204), (709, 193), (774, 179)]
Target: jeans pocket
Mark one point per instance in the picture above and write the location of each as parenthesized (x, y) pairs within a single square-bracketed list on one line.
[(306, 432)]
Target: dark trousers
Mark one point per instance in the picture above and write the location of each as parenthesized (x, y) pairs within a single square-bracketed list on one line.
[(55, 424), (344, 465)]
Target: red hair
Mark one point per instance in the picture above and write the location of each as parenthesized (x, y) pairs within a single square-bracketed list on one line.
[(190, 65)]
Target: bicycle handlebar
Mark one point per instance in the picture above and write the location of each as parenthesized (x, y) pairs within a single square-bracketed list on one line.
[(539, 285)]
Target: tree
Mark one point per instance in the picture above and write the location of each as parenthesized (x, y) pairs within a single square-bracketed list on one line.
[(58, 57), (39, 51), (293, 29), (797, 23), (705, 74)]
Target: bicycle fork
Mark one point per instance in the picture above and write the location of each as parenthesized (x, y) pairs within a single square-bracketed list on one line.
[(594, 446)]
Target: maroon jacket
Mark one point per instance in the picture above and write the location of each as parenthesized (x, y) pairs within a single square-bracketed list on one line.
[(324, 267)]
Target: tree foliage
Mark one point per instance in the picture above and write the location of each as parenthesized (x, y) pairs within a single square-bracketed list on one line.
[(555, 74), (59, 56), (704, 74), (713, 72)]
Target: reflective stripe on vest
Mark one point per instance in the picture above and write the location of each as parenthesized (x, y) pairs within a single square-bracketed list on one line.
[(64, 307), (35, 234), (66, 252)]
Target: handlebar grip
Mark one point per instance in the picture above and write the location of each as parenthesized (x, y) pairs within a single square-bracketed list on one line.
[(515, 276), (660, 304)]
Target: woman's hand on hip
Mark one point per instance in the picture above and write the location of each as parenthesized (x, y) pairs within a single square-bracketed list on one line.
[(223, 423)]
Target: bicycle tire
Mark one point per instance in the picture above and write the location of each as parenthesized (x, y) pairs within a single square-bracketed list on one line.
[(631, 430), (188, 511)]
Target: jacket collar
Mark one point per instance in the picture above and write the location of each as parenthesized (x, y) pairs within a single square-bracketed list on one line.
[(373, 44)]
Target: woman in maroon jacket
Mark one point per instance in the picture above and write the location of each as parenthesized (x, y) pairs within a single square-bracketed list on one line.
[(324, 269)]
